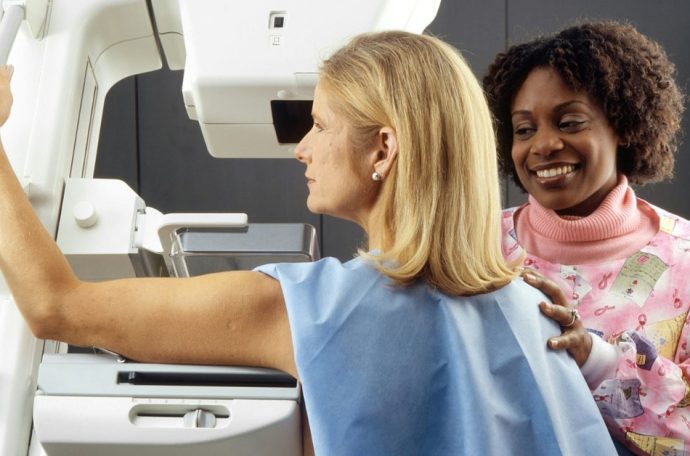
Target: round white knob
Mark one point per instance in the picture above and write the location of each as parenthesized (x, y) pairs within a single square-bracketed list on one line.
[(284, 94), (85, 214)]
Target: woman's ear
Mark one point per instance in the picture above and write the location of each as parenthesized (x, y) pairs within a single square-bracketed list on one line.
[(386, 151)]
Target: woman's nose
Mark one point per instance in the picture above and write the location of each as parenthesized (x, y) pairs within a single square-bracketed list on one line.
[(301, 150), (546, 142)]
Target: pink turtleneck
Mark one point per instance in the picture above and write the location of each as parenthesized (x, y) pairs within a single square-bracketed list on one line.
[(619, 227)]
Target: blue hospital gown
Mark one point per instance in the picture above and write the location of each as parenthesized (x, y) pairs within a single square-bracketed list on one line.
[(398, 371)]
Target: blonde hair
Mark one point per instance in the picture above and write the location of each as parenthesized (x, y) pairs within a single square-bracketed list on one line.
[(441, 202)]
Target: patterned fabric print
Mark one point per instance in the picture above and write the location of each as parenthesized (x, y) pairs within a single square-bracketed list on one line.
[(656, 446), (641, 305)]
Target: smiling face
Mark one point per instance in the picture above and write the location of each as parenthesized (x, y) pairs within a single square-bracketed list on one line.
[(564, 148), (339, 184)]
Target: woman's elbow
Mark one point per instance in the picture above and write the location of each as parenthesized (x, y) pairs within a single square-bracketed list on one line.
[(43, 320), (40, 330), (46, 315)]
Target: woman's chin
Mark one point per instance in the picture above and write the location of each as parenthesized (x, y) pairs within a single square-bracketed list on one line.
[(314, 207)]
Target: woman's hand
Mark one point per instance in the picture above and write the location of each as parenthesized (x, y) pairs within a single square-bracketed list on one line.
[(5, 93), (574, 337)]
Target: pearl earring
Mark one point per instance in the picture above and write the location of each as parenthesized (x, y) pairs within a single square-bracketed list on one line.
[(376, 177)]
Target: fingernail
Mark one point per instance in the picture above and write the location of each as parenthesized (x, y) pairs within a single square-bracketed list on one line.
[(553, 343), (529, 277)]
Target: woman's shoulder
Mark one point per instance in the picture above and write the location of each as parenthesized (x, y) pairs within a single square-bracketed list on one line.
[(669, 223), (328, 275), (517, 291), (300, 271)]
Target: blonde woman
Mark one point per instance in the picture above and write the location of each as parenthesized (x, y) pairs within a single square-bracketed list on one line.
[(424, 344)]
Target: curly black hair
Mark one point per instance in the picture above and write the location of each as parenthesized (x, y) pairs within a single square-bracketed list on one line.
[(627, 73)]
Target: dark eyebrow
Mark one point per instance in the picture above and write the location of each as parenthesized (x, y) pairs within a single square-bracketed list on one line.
[(558, 108), (521, 111), (567, 104)]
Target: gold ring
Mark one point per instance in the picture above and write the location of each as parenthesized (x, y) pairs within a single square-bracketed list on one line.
[(574, 316)]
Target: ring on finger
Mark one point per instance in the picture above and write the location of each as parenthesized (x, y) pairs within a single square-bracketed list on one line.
[(574, 316)]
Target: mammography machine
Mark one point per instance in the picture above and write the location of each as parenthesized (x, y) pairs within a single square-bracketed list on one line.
[(249, 72)]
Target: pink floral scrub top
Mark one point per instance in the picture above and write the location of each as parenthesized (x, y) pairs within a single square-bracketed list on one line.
[(640, 304)]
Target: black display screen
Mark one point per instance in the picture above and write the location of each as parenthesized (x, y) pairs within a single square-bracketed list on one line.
[(291, 119)]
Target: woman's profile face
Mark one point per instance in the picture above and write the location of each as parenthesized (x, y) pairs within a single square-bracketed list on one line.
[(564, 148), (338, 184)]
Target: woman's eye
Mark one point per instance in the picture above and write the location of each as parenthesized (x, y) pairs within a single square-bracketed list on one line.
[(317, 126), (572, 125), (523, 132)]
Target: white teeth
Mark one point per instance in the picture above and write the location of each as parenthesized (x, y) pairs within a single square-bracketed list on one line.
[(557, 171)]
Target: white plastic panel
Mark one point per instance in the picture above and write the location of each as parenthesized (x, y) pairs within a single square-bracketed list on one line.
[(168, 22), (36, 17), (86, 114), (112, 426), (97, 227), (20, 354), (255, 140), (173, 46), (239, 58), (167, 16), (40, 138)]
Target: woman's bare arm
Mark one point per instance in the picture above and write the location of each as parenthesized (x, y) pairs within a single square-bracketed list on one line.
[(226, 318)]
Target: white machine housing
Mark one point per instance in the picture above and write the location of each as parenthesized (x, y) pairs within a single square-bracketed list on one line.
[(94, 404), (237, 59), (271, 56)]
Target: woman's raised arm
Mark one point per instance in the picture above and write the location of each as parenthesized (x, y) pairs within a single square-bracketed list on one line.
[(225, 318)]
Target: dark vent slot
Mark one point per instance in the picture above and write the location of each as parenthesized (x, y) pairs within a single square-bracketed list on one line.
[(276, 380)]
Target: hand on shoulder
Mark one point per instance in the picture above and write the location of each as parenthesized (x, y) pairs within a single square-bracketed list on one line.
[(574, 336)]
